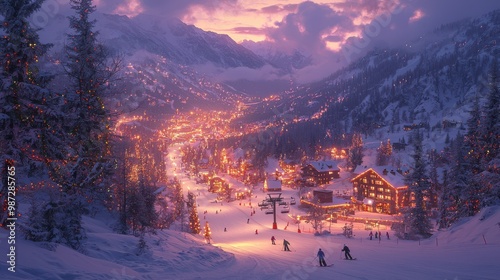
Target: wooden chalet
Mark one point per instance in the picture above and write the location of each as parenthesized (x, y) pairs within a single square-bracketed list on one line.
[(379, 189), (399, 146), (325, 200), (323, 196), (215, 184), (321, 172), (413, 126)]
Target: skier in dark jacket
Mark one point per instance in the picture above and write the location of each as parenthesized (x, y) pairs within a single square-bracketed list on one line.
[(347, 252), (285, 245), (321, 257)]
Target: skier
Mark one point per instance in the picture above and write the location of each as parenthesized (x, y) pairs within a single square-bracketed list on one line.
[(272, 240), (321, 257), (371, 235), (248, 221), (347, 252), (256, 232), (387, 234), (285, 245), (376, 235)]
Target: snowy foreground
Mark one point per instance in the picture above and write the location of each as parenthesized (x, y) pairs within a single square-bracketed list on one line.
[(470, 250)]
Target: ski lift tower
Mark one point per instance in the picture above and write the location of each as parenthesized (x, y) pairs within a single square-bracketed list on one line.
[(273, 198)]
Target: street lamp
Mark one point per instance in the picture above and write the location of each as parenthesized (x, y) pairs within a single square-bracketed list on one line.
[(331, 217), (298, 223), (273, 198)]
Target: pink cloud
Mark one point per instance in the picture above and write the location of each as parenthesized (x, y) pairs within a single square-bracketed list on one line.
[(417, 15)]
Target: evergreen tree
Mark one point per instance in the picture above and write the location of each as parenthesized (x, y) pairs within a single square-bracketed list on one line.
[(194, 221), (444, 203), (384, 153), (435, 185), (491, 127), (57, 220), (472, 141), (207, 233), (471, 193), (418, 184), (355, 157), (141, 212), (178, 199), (88, 122), (24, 99), (459, 179), (142, 246), (148, 216), (165, 215), (490, 177)]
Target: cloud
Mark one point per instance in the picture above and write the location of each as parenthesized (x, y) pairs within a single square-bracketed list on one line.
[(279, 9), (333, 34), (397, 23), (306, 28), (161, 8), (417, 15), (265, 73), (248, 30)]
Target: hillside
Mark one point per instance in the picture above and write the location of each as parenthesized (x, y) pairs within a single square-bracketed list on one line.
[(165, 63), (240, 252), (432, 80)]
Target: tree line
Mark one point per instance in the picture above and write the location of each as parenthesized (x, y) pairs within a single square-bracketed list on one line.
[(66, 137)]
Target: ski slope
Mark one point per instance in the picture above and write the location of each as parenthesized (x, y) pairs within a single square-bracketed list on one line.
[(469, 250)]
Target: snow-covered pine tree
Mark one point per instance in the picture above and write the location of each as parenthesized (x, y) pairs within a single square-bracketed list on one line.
[(56, 220), (23, 94), (178, 199), (141, 212), (491, 124), (119, 198), (32, 228), (207, 233), (444, 203), (416, 218), (165, 215), (471, 193), (460, 178), (490, 177), (473, 139), (435, 185), (148, 217), (355, 156), (88, 122), (384, 153), (194, 220)]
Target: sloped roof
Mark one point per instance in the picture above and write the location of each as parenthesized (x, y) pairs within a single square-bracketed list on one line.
[(273, 184), (325, 165), (394, 178)]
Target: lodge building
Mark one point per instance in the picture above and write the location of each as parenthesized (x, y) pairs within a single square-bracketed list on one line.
[(321, 172), (379, 189)]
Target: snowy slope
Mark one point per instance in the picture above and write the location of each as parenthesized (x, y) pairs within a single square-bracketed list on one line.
[(164, 60), (433, 79), (458, 253)]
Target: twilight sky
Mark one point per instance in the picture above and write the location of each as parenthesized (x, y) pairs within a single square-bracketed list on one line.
[(329, 22), (333, 32)]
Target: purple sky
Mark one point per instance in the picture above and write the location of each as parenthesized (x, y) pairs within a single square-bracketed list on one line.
[(333, 32)]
